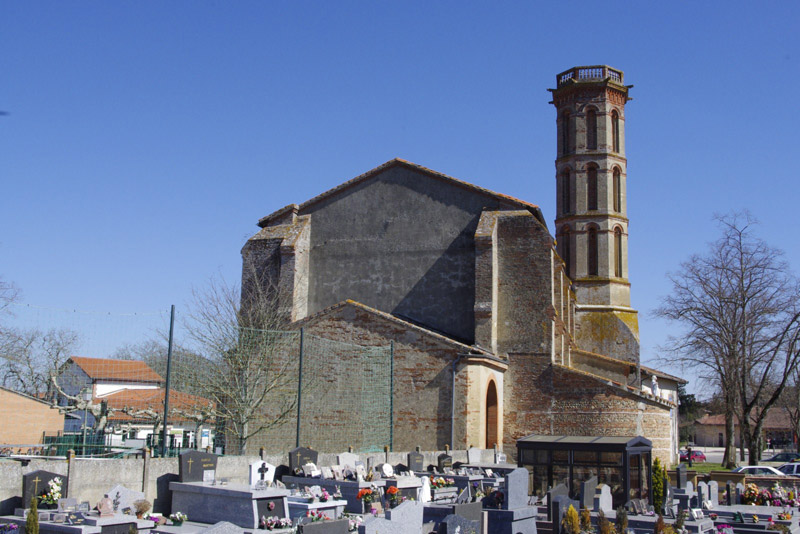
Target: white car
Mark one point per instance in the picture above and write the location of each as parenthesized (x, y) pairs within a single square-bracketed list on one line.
[(759, 470), (792, 469)]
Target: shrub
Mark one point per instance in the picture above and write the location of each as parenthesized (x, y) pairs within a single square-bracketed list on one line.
[(570, 524), (32, 521)]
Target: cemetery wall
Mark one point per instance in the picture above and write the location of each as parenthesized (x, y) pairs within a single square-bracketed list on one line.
[(90, 479)]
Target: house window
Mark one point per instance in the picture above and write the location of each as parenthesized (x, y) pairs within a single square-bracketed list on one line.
[(591, 253), (591, 130), (617, 191), (614, 131), (591, 188)]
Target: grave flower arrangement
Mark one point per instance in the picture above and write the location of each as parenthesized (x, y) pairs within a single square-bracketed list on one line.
[(774, 496), (274, 522), (9, 528), (324, 496), (441, 482), (785, 516), (366, 495), (391, 491), (178, 517), (52, 495), (352, 522), (316, 516)]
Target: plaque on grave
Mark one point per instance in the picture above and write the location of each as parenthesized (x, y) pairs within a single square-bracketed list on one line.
[(37, 483), (118, 528), (445, 461), (301, 456), (500, 457), (197, 466), (415, 461), (338, 472), (67, 504)]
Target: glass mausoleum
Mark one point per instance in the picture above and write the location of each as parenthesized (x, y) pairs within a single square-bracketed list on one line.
[(622, 463)]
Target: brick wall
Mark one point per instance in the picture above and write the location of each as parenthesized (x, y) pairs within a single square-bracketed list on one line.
[(25, 419)]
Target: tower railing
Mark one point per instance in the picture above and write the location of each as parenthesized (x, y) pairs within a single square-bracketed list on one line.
[(589, 73)]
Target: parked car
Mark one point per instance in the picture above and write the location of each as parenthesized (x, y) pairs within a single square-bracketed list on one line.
[(759, 470), (784, 457), (792, 469), (697, 456)]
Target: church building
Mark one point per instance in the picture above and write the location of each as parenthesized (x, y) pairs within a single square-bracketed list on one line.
[(499, 329)]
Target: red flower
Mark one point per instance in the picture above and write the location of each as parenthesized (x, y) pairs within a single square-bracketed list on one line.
[(392, 490)]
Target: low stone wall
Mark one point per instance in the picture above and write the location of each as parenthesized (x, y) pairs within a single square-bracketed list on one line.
[(90, 478)]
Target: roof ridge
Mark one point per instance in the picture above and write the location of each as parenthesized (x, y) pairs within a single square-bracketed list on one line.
[(391, 163)]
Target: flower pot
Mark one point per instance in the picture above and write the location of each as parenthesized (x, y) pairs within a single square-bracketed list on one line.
[(177, 523)]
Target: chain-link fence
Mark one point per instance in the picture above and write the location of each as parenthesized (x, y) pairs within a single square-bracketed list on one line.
[(228, 387)]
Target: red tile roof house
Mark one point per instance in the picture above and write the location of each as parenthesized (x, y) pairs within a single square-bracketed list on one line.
[(127, 386), (777, 428)]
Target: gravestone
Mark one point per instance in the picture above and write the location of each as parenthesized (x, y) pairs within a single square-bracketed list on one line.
[(415, 461), (261, 471), (730, 489), (197, 466), (473, 455), (680, 473), (516, 489), (301, 456), (122, 497), (223, 527), (456, 524), (311, 470), (588, 489), (500, 457), (559, 490), (327, 473), (702, 494), (689, 487), (465, 496), (602, 499), (713, 492), (68, 504), (348, 459), (559, 506), (37, 483), (444, 461), (739, 492)]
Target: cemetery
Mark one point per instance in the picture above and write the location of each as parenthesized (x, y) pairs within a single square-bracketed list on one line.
[(561, 484)]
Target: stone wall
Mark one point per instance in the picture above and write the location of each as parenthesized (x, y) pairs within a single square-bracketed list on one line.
[(89, 479)]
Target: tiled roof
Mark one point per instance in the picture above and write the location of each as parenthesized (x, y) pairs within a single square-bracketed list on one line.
[(117, 370), (142, 399), (777, 418)]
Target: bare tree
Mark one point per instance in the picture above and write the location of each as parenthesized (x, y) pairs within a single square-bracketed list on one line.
[(249, 359), (32, 356), (741, 327), (790, 402)]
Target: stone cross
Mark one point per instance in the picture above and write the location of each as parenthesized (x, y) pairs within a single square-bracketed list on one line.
[(263, 470)]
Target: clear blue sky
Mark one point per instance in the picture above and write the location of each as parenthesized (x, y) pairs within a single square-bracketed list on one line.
[(144, 140)]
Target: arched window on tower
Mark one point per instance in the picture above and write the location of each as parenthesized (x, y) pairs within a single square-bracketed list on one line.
[(591, 129), (566, 193), (591, 188), (591, 252), (565, 134), (565, 249), (614, 131), (618, 252), (617, 191)]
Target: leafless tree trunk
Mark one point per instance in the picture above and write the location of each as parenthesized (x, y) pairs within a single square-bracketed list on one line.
[(738, 306)]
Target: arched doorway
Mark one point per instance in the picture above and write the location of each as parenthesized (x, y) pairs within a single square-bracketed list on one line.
[(491, 415)]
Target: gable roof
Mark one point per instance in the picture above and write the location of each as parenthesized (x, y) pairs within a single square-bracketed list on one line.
[(117, 370), (509, 200), (393, 319)]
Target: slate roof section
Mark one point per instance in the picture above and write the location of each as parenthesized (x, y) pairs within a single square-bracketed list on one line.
[(117, 370), (511, 201)]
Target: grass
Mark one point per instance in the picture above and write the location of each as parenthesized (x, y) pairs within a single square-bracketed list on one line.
[(706, 467)]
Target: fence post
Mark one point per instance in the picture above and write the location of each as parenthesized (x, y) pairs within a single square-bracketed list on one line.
[(166, 387), (299, 389), (391, 396), (71, 471), (145, 469)]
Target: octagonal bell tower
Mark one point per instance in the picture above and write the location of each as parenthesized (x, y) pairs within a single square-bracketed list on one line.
[(591, 214)]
